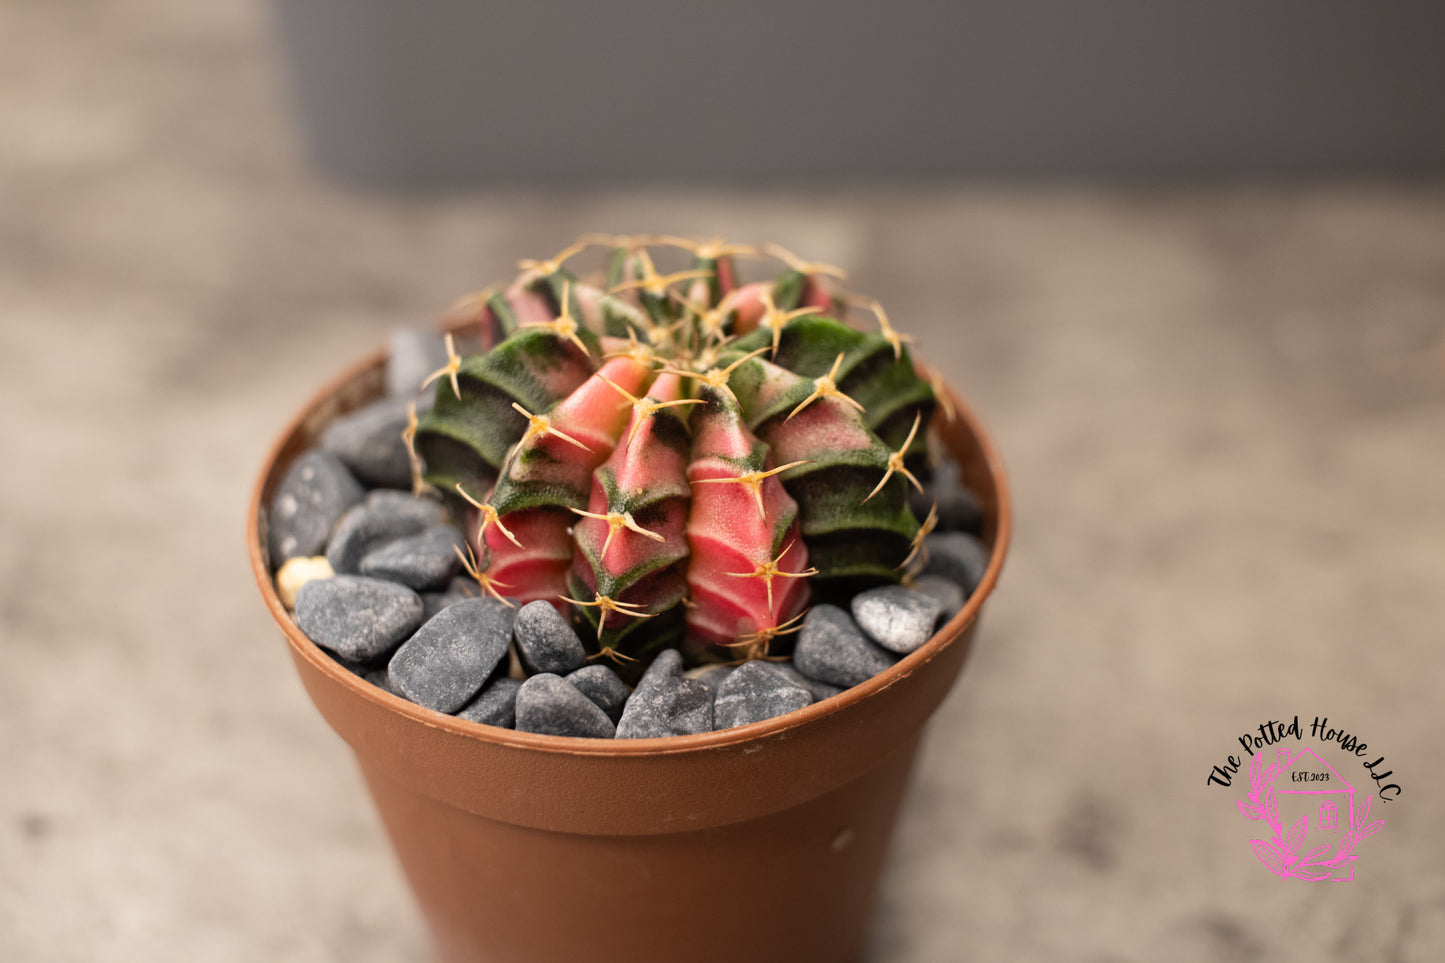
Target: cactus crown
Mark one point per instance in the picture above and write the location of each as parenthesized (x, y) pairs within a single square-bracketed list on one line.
[(678, 458)]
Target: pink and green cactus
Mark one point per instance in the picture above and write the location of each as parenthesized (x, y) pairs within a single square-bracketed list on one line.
[(678, 458)]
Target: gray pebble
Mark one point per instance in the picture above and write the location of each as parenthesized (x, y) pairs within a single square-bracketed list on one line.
[(313, 495), (546, 642), (406, 505), (832, 649), (666, 704), (550, 705), (446, 662), (496, 706), (380, 678), (712, 675), (415, 353), (949, 595), (358, 618), (384, 517), (959, 509), (819, 690), (457, 589), (355, 668), (756, 692), (958, 557), (897, 618), (368, 441), (691, 709), (602, 686), (421, 562)]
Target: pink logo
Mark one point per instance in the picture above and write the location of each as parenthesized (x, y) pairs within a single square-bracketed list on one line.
[(1302, 790)]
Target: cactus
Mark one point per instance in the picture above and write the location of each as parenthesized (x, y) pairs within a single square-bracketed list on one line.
[(678, 458)]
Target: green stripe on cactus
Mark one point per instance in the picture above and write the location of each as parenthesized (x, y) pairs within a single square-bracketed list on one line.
[(483, 422), (617, 584), (533, 368), (616, 266), (788, 290), (847, 564), (871, 375), (632, 266), (845, 463), (512, 495), (660, 310), (829, 501), (451, 462), (891, 392), (619, 317), (829, 507), (714, 284), (636, 637), (557, 282), (894, 431), (501, 309), (809, 345)]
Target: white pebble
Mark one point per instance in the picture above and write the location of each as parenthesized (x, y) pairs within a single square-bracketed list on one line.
[(296, 573)]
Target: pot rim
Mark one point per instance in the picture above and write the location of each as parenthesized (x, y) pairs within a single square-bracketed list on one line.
[(303, 647)]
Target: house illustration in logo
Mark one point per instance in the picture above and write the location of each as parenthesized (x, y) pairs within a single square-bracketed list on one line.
[(1311, 788)]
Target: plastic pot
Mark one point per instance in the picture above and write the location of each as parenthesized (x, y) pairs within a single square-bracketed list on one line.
[(757, 843)]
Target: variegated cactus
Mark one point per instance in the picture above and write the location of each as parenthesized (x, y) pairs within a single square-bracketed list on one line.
[(678, 457)]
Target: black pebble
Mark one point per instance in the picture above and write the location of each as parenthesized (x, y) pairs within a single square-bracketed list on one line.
[(665, 703), (603, 686), (384, 517), (832, 649), (313, 495), (755, 692), (457, 589), (958, 557), (421, 562), (446, 662), (356, 617), (495, 706), (369, 442), (550, 705), (545, 642)]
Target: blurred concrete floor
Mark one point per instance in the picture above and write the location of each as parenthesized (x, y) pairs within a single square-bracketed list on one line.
[(1223, 409)]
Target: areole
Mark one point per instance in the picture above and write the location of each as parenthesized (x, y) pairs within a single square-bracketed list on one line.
[(479, 814)]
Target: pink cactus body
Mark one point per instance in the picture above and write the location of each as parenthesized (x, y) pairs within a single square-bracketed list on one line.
[(748, 573)]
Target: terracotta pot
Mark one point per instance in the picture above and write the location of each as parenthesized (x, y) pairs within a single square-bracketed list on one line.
[(758, 843)]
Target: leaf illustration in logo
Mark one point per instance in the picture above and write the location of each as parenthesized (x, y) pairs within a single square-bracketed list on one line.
[(1312, 873), (1316, 853), (1271, 806), (1296, 836), (1248, 811), (1363, 813), (1267, 856), (1256, 770), (1370, 830)]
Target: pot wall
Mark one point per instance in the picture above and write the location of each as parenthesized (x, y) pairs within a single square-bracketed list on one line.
[(794, 885), (758, 843)]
